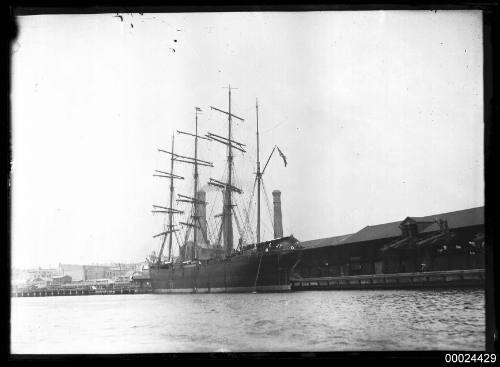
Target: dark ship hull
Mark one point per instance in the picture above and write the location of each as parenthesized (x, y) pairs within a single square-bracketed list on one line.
[(238, 273)]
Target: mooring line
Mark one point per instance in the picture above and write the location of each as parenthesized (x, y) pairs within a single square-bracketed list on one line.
[(257, 277)]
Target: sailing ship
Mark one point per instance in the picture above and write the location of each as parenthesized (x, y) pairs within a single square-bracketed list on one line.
[(201, 267)]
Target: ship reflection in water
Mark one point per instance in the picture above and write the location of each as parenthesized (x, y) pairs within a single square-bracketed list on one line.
[(446, 319)]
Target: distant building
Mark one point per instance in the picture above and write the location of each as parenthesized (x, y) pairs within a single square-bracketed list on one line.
[(142, 279), (121, 270), (85, 272), (76, 272), (42, 273), (61, 279), (94, 272), (126, 278), (39, 282)]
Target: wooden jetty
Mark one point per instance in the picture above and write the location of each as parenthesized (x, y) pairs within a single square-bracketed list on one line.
[(431, 279), (78, 291)]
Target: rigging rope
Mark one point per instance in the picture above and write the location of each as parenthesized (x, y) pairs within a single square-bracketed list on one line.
[(179, 243), (188, 232), (209, 222), (250, 235), (267, 203), (203, 232), (268, 229), (240, 231), (210, 232), (274, 127), (220, 235), (212, 229), (248, 211), (246, 233)]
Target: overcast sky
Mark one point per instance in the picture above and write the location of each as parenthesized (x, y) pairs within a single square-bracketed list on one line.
[(380, 116)]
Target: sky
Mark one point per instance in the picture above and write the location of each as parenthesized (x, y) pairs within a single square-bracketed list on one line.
[(379, 115)]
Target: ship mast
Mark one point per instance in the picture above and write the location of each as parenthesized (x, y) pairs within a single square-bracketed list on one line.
[(194, 200), (228, 188), (228, 212), (258, 173), (195, 205), (168, 210), (171, 201)]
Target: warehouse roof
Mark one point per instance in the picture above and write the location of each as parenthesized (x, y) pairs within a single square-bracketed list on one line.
[(376, 232), (456, 219), (460, 218), (322, 242)]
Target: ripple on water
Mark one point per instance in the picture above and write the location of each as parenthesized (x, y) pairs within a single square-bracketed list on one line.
[(335, 320), (263, 322)]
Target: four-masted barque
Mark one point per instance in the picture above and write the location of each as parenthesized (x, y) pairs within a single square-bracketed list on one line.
[(202, 267)]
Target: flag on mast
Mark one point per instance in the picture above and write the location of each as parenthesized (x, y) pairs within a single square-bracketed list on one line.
[(282, 155), (198, 109)]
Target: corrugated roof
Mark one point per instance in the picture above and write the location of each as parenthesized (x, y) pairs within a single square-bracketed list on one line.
[(322, 242), (422, 222), (420, 219), (430, 228), (456, 219), (459, 218), (370, 233)]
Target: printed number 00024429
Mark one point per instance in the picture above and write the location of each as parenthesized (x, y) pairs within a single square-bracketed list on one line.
[(470, 358)]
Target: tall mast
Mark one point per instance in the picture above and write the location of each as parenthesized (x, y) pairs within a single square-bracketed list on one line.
[(195, 204), (194, 200), (261, 173), (228, 217), (258, 173), (228, 188), (171, 200), (168, 210)]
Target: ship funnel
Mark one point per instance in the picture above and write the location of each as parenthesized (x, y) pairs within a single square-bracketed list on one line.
[(201, 213), (278, 223)]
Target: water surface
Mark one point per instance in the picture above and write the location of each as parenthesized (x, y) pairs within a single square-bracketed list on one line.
[(300, 321)]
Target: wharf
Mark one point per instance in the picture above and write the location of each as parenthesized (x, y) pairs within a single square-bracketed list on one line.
[(78, 291), (431, 279)]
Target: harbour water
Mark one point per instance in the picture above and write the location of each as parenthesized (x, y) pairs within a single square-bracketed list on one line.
[(373, 320)]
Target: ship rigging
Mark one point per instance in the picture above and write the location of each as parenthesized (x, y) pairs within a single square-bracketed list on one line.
[(194, 222), (203, 265)]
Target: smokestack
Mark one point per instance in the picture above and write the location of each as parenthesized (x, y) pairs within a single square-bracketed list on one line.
[(278, 223), (201, 212)]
